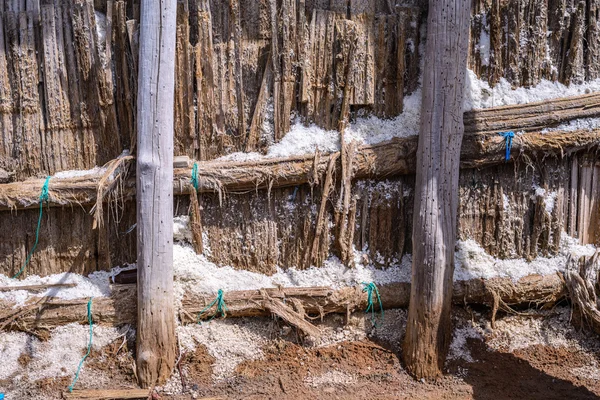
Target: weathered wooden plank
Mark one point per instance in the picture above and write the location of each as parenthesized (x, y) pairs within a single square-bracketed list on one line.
[(125, 59), (186, 141), (260, 108), (396, 157), (156, 339), (120, 307), (107, 394), (210, 120)]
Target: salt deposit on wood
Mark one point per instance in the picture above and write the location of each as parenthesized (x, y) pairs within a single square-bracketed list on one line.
[(480, 94)]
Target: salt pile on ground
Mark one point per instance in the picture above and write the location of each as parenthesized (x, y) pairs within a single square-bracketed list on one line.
[(229, 342), (458, 346), (12, 345), (195, 273), (96, 171), (59, 356), (301, 139), (547, 328)]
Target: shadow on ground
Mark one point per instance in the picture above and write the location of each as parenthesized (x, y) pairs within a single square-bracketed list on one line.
[(500, 376)]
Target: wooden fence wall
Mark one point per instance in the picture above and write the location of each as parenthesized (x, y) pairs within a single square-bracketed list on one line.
[(68, 73), (67, 101)]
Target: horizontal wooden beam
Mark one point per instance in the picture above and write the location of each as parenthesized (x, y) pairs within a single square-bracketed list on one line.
[(482, 147), (120, 308), (380, 161), (108, 394), (533, 116)]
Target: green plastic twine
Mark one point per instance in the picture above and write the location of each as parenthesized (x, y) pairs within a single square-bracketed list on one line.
[(195, 176), (43, 197), (221, 307), (371, 288), (89, 348)]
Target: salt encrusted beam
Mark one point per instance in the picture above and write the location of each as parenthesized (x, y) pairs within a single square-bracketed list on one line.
[(379, 161), (532, 117), (382, 160), (120, 307)]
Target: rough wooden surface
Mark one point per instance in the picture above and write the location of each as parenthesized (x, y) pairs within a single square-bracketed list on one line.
[(379, 161), (499, 212), (155, 337), (428, 326), (34, 288), (315, 301), (67, 93), (107, 394)]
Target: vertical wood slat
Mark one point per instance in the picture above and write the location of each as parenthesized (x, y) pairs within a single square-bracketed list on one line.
[(186, 142)]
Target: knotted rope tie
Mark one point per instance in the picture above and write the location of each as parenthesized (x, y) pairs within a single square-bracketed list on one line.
[(43, 198), (195, 176), (371, 288), (89, 348), (221, 307), (508, 137)]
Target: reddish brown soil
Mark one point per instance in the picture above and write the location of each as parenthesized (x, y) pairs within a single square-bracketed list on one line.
[(375, 372), (537, 372)]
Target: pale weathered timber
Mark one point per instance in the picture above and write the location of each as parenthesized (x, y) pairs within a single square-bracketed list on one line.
[(532, 116), (428, 327), (116, 394), (537, 290), (156, 340), (277, 307), (379, 161), (108, 394), (33, 288)]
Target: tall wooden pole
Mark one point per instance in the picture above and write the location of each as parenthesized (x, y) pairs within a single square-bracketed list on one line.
[(436, 191), (156, 317)]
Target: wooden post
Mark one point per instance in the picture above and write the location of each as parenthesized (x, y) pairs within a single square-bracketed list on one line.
[(156, 317), (436, 190)]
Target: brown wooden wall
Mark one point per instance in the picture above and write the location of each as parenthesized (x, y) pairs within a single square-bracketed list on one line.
[(258, 231), (67, 101), (67, 96)]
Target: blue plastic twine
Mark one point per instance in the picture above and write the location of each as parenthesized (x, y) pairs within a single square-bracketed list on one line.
[(221, 307), (371, 288), (43, 197), (508, 137), (195, 176), (89, 348)]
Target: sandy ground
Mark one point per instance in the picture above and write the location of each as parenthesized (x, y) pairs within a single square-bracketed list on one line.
[(538, 355)]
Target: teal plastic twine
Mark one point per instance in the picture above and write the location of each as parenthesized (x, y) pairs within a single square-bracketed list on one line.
[(221, 307), (195, 176), (89, 348), (371, 288), (508, 137), (43, 197)]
